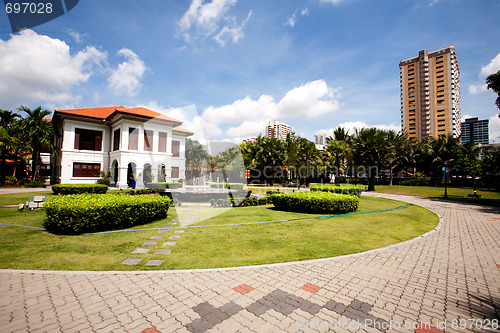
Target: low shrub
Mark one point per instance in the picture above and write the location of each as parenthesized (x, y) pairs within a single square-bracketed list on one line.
[(82, 213), (66, 189), (143, 191), (164, 185), (349, 189), (416, 180), (232, 186), (316, 202), (237, 202)]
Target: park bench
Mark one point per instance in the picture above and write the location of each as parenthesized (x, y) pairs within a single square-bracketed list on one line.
[(33, 203)]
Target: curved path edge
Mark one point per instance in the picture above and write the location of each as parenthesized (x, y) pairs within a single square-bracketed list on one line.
[(433, 281)]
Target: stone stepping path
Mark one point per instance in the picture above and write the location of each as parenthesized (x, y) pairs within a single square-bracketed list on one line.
[(187, 217)]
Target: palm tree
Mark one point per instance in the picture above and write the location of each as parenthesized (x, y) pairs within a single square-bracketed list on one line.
[(439, 152), (337, 152), (195, 155), (37, 132), (493, 83), (8, 139), (370, 149)]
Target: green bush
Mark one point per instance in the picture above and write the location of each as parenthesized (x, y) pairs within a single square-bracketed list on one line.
[(349, 189), (164, 185), (237, 202), (316, 202), (84, 213), (232, 186), (416, 180), (65, 189)]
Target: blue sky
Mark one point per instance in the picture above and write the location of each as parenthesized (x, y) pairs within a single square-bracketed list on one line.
[(226, 67)]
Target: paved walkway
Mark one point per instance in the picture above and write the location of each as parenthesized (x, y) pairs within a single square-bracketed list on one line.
[(449, 274)]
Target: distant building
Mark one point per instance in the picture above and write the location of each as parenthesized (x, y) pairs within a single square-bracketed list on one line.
[(320, 141), (430, 94), (277, 129), (475, 130)]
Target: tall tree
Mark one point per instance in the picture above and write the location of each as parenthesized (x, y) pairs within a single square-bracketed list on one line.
[(195, 155), (493, 82), (8, 139), (37, 132), (370, 150)]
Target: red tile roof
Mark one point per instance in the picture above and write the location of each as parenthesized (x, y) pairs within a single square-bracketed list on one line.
[(98, 113), (108, 112), (143, 112), (182, 130)]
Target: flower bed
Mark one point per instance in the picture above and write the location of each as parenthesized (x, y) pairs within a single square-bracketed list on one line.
[(316, 202), (83, 213)]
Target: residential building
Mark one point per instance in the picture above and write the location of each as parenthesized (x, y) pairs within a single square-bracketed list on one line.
[(320, 140), (133, 144), (475, 130), (430, 94), (277, 129)]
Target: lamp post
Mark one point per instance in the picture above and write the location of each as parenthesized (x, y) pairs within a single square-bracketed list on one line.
[(445, 181)]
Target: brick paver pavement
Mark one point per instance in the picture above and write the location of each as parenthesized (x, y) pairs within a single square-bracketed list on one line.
[(447, 275)]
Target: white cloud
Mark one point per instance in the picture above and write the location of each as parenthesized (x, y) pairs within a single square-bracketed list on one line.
[(37, 68), (492, 67), (125, 80), (206, 15), (247, 129), (465, 116), (475, 89), (210, 19), (190, 118), (310, 100), (293, 19), (494, 128), (335, 2), (233, 34), (78, 37), (351, 127)]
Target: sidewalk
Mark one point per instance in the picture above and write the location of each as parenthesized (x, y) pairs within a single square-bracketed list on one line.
[(449, 274)]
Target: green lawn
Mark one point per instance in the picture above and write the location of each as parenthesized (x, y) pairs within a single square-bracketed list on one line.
[(17, 198), (225, 246), (489, 197)]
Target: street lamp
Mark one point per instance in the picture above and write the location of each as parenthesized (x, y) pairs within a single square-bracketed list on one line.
[(445, 181)]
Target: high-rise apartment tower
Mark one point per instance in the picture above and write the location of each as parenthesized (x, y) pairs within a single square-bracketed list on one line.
[(277, 129), (430, 94), (475, 130)]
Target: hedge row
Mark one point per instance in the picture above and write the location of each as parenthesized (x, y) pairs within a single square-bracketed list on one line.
[(164, 185), (243, 202), (83, 213), (66, 189), (316, 202), (232, 186), (349, 189)]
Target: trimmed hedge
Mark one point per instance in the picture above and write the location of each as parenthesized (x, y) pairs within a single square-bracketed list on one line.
[(83, 213), (164, 185), (232, 186), (316, 202), (66, 189), (243, 202), (349, 189)]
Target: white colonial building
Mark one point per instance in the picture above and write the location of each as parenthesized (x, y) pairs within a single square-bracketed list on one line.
[(133, 144)]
